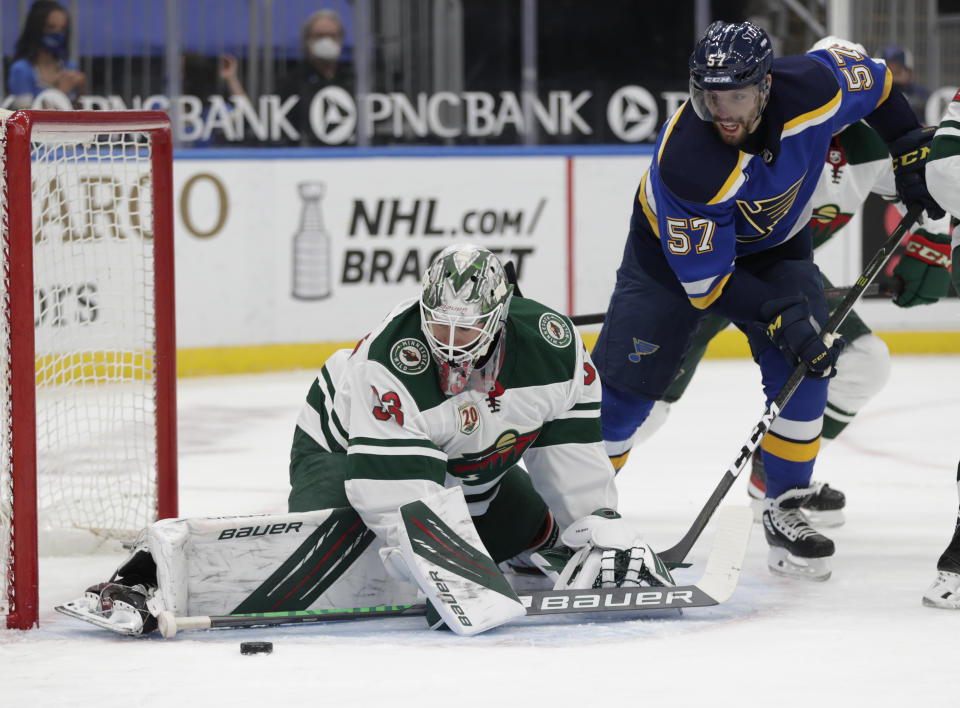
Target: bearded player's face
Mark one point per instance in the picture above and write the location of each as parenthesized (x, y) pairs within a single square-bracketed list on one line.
[(735, 113)]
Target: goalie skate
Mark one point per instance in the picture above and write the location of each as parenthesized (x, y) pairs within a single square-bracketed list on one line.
[(824, 508), (945, 591), (797, 550), (119, 608)]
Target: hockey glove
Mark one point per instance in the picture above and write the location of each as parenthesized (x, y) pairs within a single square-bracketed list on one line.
[(924, 270), (609, 552), (910, 153), (796, 333)]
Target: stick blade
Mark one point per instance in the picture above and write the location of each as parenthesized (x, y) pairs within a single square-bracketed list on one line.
[(733, 524)]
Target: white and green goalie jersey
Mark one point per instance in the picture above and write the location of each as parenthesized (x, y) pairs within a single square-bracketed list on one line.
[(381, 404)]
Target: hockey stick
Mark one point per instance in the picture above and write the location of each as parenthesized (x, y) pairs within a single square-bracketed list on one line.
[(716, 585), (678, 552), (892, 288), (511, 272), (598, 317)]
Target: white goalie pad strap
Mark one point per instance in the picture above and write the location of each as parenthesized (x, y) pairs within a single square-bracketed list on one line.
[(444, 554), (581, 570), (319, 559)]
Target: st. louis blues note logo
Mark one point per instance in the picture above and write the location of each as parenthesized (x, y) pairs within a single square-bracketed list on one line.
[(641, 348), (758, 218)]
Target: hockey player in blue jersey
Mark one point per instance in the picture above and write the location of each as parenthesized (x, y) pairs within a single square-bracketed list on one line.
[(721, 224)]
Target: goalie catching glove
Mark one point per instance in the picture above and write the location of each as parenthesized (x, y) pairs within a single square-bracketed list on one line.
[(602, 550)]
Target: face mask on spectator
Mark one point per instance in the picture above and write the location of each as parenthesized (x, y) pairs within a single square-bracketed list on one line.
[(54, 42), (325, 48)]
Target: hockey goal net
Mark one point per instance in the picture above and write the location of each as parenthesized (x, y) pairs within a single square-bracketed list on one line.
[(87, 358)]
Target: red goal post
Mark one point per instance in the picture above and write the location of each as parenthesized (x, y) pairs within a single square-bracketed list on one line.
[(87, 336)]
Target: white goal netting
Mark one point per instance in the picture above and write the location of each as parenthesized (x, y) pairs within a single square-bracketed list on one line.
[(94, 339)]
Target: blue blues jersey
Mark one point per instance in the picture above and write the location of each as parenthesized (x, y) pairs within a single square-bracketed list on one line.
[(711, 203)]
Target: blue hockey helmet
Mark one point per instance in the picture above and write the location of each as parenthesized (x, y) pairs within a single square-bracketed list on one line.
[(729, 56)]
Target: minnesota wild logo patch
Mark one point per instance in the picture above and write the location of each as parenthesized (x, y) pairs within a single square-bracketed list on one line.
[(825, 221), (555, 330), (410, 356)]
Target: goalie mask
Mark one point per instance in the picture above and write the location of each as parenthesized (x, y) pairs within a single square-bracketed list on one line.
[(463, 308)]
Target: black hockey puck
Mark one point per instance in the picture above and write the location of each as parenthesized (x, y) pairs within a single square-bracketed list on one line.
[(256, 647)]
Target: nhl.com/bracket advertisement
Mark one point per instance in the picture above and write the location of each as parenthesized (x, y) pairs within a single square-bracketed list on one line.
[(322, 250)]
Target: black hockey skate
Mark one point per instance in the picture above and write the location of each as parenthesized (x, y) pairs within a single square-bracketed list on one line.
[(119, 608), (797, 550), (824, 508), (125, 603)]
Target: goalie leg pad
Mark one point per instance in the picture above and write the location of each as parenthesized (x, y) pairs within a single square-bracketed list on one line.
[(231, 565), (442, 551), (306, 560)]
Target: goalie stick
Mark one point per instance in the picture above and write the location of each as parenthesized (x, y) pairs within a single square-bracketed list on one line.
[(678, 552), (716, 585)]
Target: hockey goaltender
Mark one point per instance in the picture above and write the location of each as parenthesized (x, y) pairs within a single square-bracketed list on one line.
[(405, 480)]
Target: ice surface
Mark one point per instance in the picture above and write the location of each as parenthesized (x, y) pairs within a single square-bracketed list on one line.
[(860, 639)]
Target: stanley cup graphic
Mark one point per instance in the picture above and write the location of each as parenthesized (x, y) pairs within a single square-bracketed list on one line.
[(311, 247)]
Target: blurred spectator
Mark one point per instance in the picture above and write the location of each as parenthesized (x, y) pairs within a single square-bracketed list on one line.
[(900, 63), (204, 76), (227, 71), (321, 43), (40, 58)]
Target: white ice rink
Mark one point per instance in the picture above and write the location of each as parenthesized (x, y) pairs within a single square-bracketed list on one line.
[(860, 639)]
